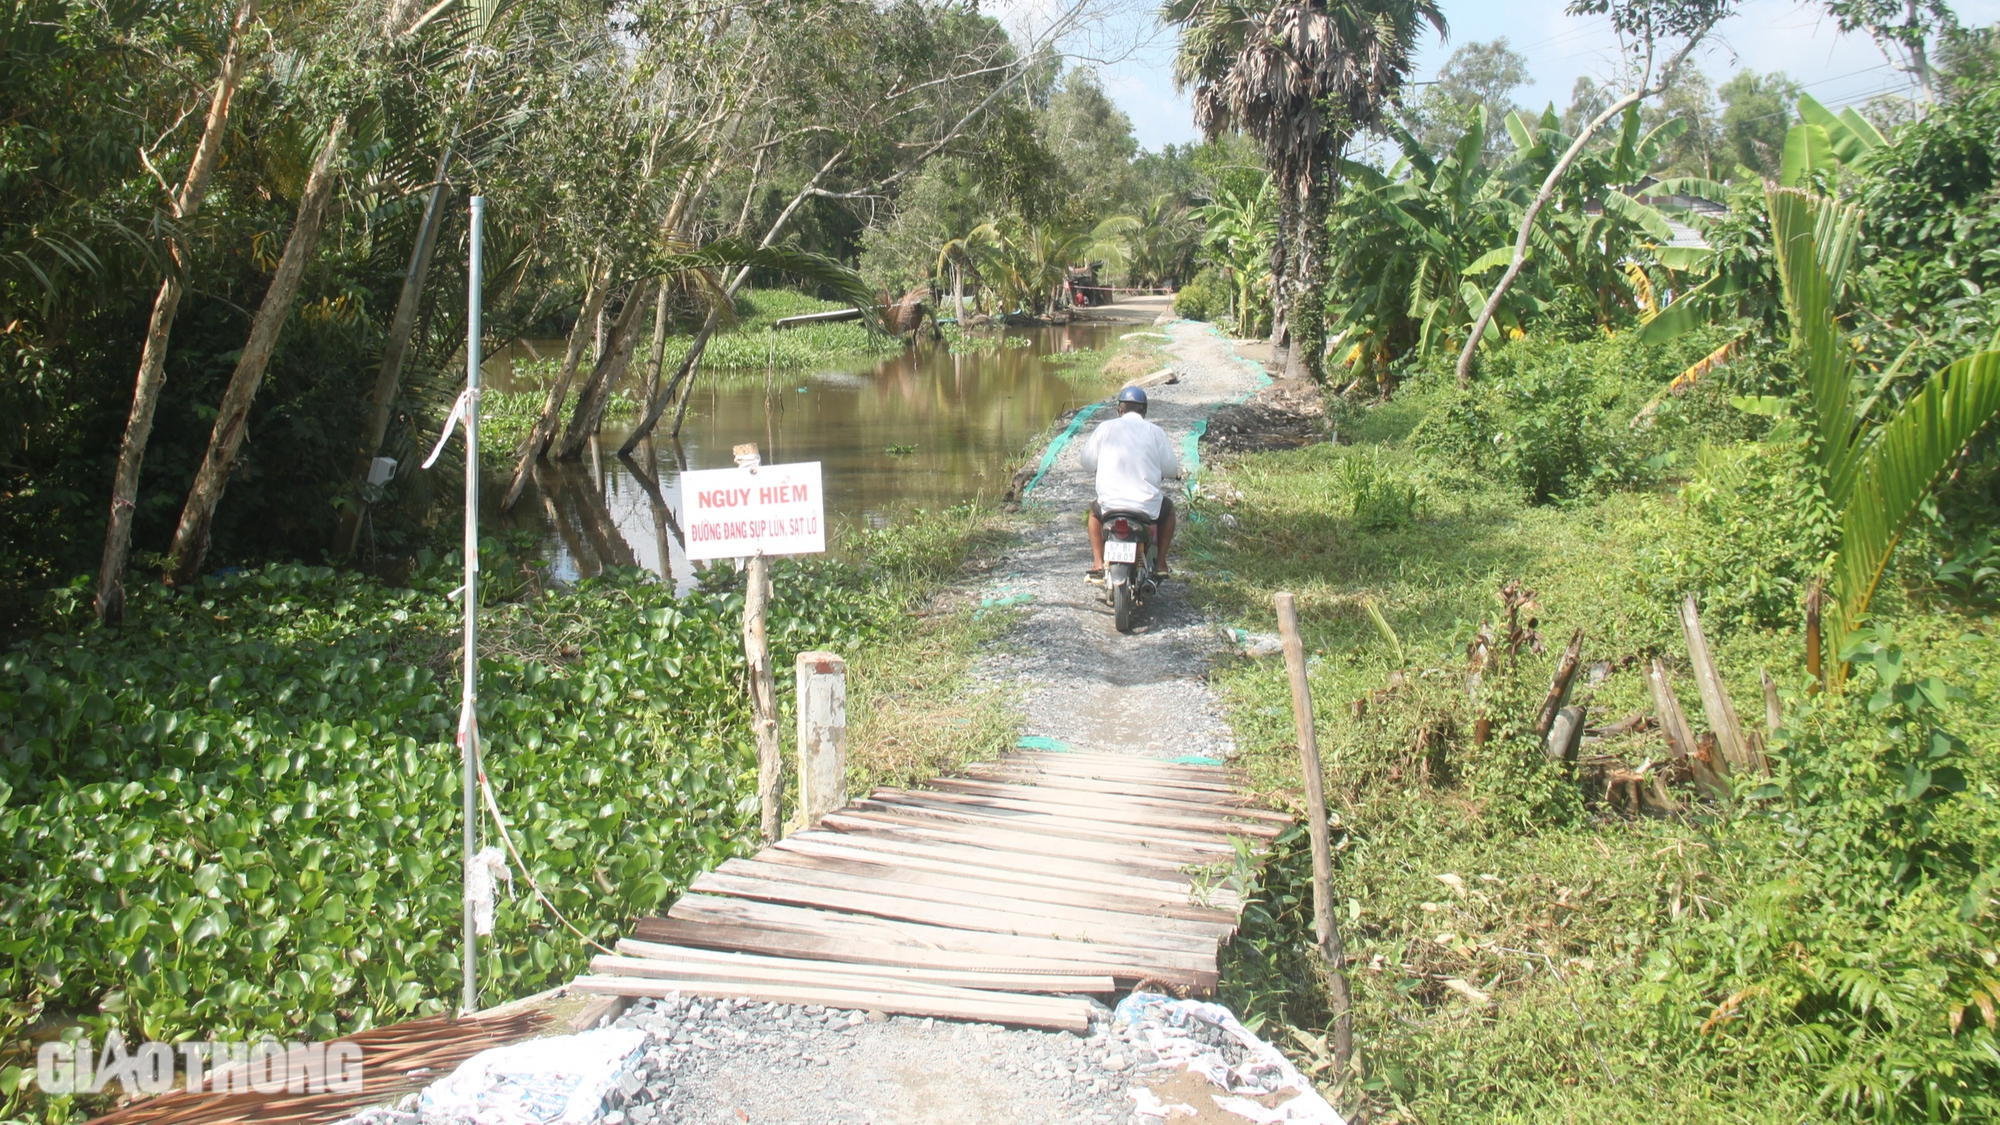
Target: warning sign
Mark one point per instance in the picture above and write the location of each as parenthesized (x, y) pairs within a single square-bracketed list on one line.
[(772, 510)]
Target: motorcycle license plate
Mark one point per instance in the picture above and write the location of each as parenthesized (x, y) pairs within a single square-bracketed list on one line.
[(1121, 551)]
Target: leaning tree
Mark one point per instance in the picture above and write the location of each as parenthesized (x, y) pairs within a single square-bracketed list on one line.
[(1301, 79)]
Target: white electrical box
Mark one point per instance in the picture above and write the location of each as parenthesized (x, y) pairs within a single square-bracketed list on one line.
[(381, 471)]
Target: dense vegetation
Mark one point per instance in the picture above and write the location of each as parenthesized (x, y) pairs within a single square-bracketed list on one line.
[(638, 162), (1532, 939)]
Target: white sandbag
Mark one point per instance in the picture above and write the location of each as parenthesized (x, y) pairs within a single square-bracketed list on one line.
[(561, 1080)]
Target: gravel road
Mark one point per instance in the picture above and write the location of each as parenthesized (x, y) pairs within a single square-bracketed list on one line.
[(1079, 682)]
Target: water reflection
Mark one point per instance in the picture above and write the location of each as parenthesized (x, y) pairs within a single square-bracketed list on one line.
[(925, 429)]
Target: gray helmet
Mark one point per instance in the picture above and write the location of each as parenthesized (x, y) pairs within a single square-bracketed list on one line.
[(1134, 395)]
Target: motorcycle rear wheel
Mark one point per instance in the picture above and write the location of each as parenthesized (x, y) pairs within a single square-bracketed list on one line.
[(1121, 605)]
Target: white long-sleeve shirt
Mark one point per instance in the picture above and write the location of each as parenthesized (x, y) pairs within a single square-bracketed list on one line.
[(1130, 456)]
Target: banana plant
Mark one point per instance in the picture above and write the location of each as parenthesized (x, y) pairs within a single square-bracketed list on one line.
[(1240, 228), (1876, 470), (1412, 243)]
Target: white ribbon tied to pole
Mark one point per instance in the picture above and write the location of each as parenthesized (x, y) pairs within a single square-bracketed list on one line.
[(457, 412), (480, 870)]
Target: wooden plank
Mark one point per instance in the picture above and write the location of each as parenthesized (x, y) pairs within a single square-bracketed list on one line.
[(987, 863), (860, 947), (1073, 1015), (1107, 929), (1182, 788), (1101, 801), (1186, 820), (1117, 825), (963, 978), (698, 907), (822, 974), (1042, 779), (1058, 831), (925, 873), (990, 897), (819, 973), (1125, 761), (1119, 765), (995, 862), (1156, 864)]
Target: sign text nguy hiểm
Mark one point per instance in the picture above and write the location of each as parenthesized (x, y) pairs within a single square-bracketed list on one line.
[(771, 510)]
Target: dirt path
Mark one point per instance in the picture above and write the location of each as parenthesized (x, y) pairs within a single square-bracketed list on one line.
[(1079, 682)]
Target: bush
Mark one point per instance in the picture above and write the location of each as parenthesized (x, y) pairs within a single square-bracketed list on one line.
[(1752, 530), (1862, 944), (1560, 418), (1204, 298)]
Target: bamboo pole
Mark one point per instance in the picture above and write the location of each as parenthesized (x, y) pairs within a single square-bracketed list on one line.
[(468, 721), (1325, 932)]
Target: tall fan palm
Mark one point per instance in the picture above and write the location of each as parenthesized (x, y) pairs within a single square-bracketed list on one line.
[(1300, 77)]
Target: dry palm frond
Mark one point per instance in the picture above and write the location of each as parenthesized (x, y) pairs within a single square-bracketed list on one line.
[(1706, 364)]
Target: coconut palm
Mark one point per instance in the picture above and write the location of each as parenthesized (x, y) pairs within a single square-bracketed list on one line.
[(1163, 242), (1301, 78), (1027, 263)]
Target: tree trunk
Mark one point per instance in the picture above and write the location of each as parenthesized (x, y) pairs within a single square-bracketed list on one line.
[(545, 425), (588, 415), (659, 356), (153, 358), (1280, 277), (232, 417), (395, 351), (1305, 312), (1645, 90), (714, 321)]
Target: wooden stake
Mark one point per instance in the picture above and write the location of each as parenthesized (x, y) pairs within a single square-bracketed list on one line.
[(763, 690), (822, 705), (1324, 930), (1558, 697), (1814, 663), (1715, 701), (1680, 738)]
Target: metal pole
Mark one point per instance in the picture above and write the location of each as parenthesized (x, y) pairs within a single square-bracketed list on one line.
[(468, 721)]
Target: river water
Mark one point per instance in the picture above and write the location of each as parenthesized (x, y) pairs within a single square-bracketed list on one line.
[(922, 430)]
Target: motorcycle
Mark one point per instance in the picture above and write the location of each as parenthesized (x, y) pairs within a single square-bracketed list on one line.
[(1128, 565)]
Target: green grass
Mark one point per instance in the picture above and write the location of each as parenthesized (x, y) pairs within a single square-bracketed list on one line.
[(1603, 941)]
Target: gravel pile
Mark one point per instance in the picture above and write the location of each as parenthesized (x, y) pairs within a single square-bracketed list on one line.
[(729, 1061)]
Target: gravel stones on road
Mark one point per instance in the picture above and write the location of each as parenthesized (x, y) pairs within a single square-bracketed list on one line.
[(724, 1062), (1079, 681)]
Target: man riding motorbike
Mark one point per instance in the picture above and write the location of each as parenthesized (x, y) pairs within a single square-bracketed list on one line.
[(1131, 456)]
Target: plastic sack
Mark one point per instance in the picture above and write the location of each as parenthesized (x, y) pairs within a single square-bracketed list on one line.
[(557, 1081), (1184, 1033)]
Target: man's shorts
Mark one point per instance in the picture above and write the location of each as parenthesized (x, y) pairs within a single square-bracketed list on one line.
[(1166, 509)]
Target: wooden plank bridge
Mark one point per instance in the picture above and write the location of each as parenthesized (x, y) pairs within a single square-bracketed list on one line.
[(997, 896)]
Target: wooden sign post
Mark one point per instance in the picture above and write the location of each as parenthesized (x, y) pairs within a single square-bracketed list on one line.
[(752, 512)]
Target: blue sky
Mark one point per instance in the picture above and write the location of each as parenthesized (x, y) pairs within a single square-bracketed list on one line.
[(1767, 35)]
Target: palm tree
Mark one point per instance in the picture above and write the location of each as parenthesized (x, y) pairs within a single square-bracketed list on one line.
[(1163, 242), (1300, 77), (1877, 464), (1027, 263)]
